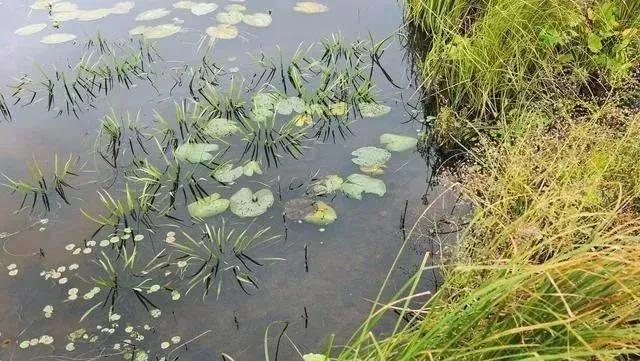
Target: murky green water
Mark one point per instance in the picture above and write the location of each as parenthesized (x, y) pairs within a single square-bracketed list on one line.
[(315, 278)]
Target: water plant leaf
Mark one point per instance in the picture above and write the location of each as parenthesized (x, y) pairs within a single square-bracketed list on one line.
[(152, 14), (184, 5), (357, 184), (208, 206), (195, 152), (235, 7), (91, 15), (244, 203), (251, 167), (370, 156), (301, 120), (230, 17), (259, 20), (310, 7), (123, 7), (290, 105), (322, 215), (594, 42), (263, 106), (199, 9), (160, 31), (57, 38), (30, 29), (398, 143), (339, 109), (327, 185), (221, 127), (227, 174), (298, 208), (222, 31), (373, 110), (314, 357)]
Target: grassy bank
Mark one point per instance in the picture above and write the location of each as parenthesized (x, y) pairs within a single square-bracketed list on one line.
[(542, 96)]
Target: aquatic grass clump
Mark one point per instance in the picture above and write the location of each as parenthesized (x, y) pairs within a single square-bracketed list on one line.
[(118, 135), (548, 268)]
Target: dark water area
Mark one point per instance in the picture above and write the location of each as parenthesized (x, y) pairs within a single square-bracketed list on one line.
[(317, 279)]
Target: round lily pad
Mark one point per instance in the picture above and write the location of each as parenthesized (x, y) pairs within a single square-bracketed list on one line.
[(199, 9), (373, 110), (230, 17), (398, 143), (290, 105), (251, 167), (227, 174), (184, 5), (245, 203), (91, 15), (322, 214), (57, 38), (370, 156), (208, 206), (160, 31), (195, 152), (30, 29), (223, 31), (152, 14), (122, 7), (260, 20), (235, 7), (298, 208), (221, 127), (327, 185), (339, 109), (357, 184), (309, 7)]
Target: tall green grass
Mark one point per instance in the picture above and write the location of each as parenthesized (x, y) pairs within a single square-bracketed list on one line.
[(549, 268)]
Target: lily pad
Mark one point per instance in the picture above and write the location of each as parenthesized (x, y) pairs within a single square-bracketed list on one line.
[(304, 119), (314, 357), (322, 214), (160, 31), (122, 7), (339, 109), (63, 6), (373, 110), (223, 31), (138, 30), (195, 152), (30, 29), (57, 38), (221, 127), (251, 167), (259, 20), (245, 203), (184, 5), (327, 185), (398, 143), (91, 15), (64, 16), (235, 7), (208, 206), (227, 174), (152, 14), (309, 7), (298, 208), (357, 184), (199, 9), (263, 106), (370, 156), (290, 105), (230, 17)]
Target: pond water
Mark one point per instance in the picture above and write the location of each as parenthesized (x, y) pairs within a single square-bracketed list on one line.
[(316, 278)]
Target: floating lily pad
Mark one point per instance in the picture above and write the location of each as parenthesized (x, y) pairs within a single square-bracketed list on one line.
[(357, 184), (208, 206), (64, 16), (290, 105), (309, 7), (339, 109), (370, 156), (251, 167), (152, 14), (199, 9), (223, 31), (245, 203), (184, 5), (302, 120), (195, 152), (398, 143), (327, 185), (314, 357), (64, 6), (259, 20), (138, 30), (42, 4), (160, 31), (57, 38), (235, 7), (221, 127), (122, 7), (263, 106), (30, 29), (227, 174), (373, 110), (230, 17), (322, 214), (298, 208), (91, 15)]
